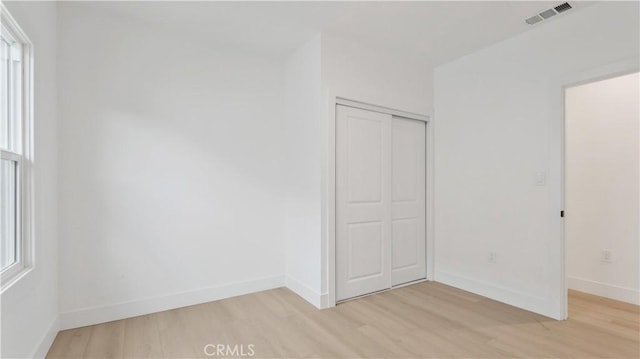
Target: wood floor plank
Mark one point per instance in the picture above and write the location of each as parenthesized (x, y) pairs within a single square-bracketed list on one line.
[(70, 344), (176, 332), (106, 340), (425, 320), (142, 338)]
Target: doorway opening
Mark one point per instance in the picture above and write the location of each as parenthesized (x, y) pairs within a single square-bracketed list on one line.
[(601, 189)]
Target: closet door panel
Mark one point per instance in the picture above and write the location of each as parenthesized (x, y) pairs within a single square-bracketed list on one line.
[(363, 202), (408, 201)]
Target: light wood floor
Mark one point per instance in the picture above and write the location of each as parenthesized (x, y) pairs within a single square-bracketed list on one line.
[(425, 320)]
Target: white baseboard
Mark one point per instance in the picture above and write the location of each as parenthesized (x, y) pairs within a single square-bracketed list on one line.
[(622, 294), (318, 300), (501, 294), (95, 315), (47, 340)]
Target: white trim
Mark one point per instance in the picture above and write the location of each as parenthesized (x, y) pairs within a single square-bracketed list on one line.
[(329, 193), (623, 294), (430, 200), (330, 210), (418, 281), (102, 314), (498, 293), (46, 342), (26, 208), (11, 156), (318, 300), (390, 111), (16, 31), (559, 295)]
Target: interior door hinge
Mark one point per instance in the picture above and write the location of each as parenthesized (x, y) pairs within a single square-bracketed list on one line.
[(562, 214)]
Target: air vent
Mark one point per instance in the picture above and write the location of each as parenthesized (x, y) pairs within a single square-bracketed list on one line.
[(547, 14), (562, 7), (534, 19), (543, 15)]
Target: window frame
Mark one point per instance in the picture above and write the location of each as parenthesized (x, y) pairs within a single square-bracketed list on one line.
[(23, 155)]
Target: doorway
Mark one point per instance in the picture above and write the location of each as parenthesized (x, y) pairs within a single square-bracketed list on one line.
[(601, 188), (380, 201)]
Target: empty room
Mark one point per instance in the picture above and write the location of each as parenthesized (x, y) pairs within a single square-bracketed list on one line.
[(320, 179)]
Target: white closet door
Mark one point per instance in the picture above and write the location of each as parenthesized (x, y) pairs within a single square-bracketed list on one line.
[(363, 202), (408, 201)]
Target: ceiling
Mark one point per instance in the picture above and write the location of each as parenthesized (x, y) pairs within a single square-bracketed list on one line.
[(437, 31)]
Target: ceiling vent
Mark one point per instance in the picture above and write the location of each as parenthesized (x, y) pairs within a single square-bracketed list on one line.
[(534, 19), (562, 7), (548, 13)]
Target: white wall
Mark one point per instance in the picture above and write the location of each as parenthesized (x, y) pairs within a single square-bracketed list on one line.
[(302, 100), (30, 306), (497, 124), (601, 168), (357, 71), (171, 185)]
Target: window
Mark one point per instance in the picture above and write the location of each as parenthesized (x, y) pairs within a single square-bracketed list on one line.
[(15, 145)]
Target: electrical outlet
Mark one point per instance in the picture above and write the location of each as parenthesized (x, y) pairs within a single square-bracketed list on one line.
[(492, 257), (605, 256), (540, 179)]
